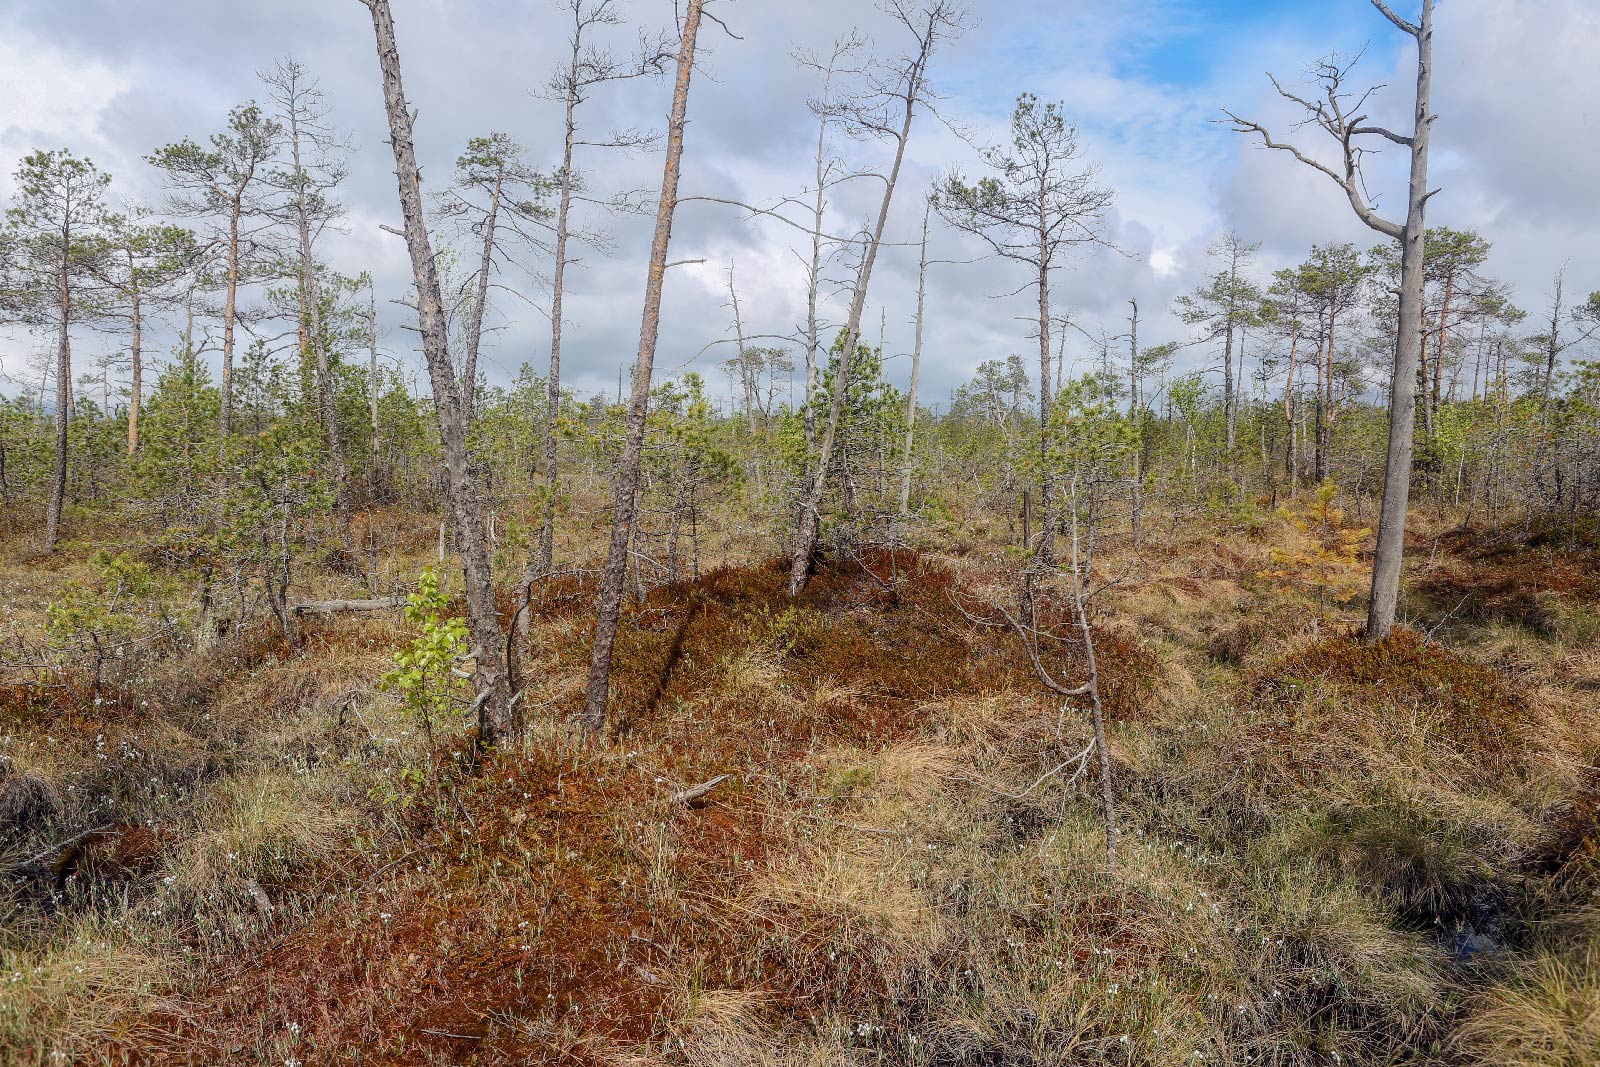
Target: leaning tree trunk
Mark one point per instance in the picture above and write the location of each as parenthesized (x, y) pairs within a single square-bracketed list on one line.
[(612, 579), (810, 520), (469, 373), (493, 698), (1403, 388)]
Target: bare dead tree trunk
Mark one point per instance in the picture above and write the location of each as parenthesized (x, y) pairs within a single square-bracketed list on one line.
[(916, 367), (483, 622), (372, 366), (1331, 116), (1390, 554), (292, 90), (469, 373), (544, 551), (609, 608), (809, 524)]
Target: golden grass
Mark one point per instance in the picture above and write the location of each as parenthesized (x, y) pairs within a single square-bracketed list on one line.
[(1546, 1015)]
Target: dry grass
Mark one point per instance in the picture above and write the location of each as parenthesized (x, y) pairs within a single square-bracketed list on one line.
[(876, 882), (1546, 1015)]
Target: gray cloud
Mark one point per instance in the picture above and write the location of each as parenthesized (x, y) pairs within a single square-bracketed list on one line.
[(1516, 155)]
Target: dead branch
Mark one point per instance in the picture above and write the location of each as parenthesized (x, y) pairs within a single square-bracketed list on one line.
[(694, 793)]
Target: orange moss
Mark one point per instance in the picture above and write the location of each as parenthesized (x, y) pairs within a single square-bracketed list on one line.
[(558, 885), (1343, 687)]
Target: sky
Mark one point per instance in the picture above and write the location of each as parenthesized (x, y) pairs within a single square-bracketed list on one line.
[(1516, 151)]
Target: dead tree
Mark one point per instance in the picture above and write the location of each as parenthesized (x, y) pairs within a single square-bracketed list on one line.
[(885, 110), (916, 368), (587, 68), (1041, 203), (493, 166), (626, 498), (1339, 114), (493, 699), (1028, 632), (828, 173)]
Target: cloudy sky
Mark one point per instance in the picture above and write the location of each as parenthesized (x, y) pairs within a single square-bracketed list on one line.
[(1516, 151)]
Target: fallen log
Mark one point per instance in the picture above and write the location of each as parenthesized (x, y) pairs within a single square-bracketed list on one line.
[(331, 607)]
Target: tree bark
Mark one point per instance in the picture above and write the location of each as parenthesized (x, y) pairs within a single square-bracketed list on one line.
[(810, 519), (1390, 551), (230, 313), (469, 373), (483, 622), (544, 554), (614, 576), (1045, 550), (58, 474), (318, 341), (136, 351), (1229, 400), (916, 368)]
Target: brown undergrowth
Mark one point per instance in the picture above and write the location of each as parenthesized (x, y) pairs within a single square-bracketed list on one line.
[(561, 911), (1331, 851)]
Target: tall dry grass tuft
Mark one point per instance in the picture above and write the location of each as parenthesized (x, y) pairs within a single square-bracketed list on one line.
[(1546, 1015)]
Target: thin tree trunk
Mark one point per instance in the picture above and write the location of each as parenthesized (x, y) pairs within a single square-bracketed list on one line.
[(1229, 400), (1444, 337), (810, 519), (1288, 400), (1045, 550), (483, 622), (609, 608), (469, 374), (230, 314), (916, 368), (319, 347), (372, 367), (1402, 389), (136, 388), (544, 554), (58, 475)]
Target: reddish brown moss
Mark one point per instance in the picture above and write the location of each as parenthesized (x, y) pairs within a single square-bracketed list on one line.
[(1349, 684)]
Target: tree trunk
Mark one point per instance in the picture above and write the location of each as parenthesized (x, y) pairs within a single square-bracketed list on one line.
[(229, 314), (609, 608), (544, 554), (58, 475), (1229, 400), (319, 347), (916, 367), (469, 373), (1444, 337), (810, 519), (1045, 550), (136, 388), (1402, 389), (483, 622)]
